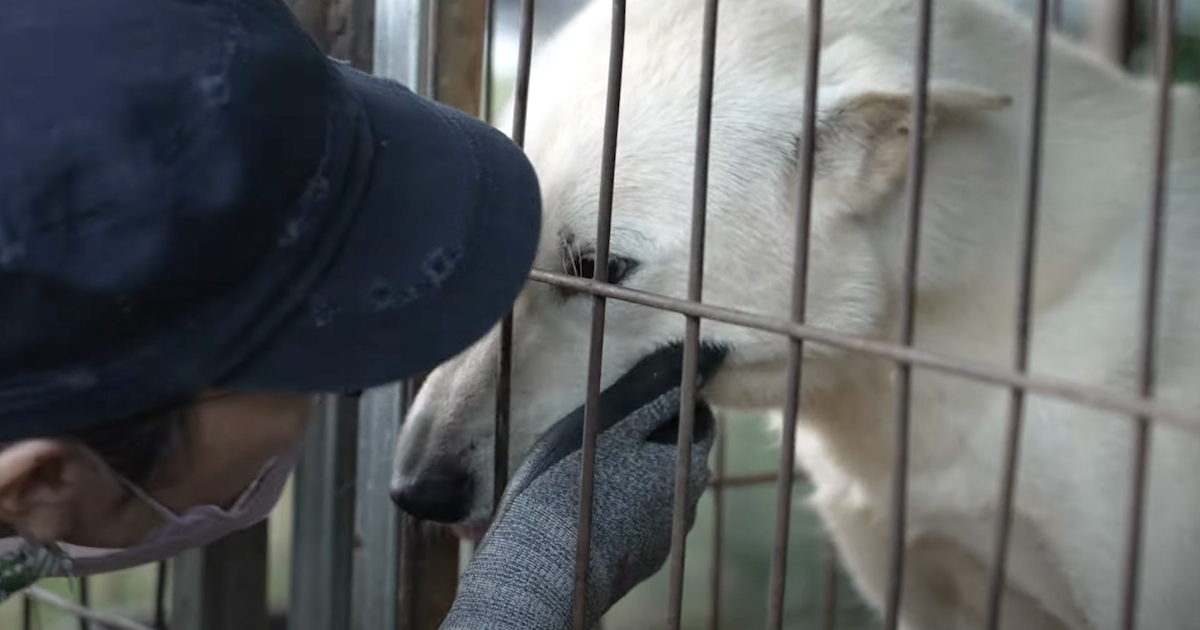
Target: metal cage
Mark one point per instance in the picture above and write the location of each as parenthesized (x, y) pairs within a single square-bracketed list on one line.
[(358, 563)]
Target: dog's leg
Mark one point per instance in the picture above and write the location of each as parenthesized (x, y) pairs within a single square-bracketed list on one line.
[(945, 587), (927, 603)]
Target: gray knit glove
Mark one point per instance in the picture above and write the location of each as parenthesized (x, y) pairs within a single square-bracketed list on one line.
[(522, 574)]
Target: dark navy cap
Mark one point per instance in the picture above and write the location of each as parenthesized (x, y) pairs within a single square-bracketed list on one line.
[(193, 196)]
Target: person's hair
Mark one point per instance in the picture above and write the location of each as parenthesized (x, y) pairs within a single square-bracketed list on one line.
[(134, 446)]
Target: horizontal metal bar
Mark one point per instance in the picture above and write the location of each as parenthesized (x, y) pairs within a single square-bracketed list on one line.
[(741, 481), (99, 618), (1094, 397)]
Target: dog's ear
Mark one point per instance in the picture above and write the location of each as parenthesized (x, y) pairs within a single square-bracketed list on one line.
[(862, 141)]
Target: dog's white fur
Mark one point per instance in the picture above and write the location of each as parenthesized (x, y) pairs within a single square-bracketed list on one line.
[(1073, 488)]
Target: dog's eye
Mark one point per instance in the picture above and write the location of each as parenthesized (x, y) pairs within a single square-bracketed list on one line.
[(584, 266), (618, 268)]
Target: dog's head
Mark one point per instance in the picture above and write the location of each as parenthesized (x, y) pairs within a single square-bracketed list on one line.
[(443, 465)]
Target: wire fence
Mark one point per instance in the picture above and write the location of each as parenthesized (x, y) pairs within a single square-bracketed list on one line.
[(356, 562)]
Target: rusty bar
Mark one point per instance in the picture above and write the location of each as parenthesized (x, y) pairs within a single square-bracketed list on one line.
[(1152, 269), (1089, 396), (343, 28), (458, 60), (354, 36), (829, 575), (791, 404), (428, 574), (691, 347), (428, 571), (591, 414), (1029, 231), (313, 15), (742, 481), (718, 549), (504, 388), (908, 297)]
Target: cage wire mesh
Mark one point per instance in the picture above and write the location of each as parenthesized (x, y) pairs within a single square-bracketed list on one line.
[(356, 562)]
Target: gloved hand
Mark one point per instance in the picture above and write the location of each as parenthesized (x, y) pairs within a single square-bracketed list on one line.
[(523, 572)]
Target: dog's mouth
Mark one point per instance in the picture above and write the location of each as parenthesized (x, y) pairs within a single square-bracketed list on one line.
[(654, 375)]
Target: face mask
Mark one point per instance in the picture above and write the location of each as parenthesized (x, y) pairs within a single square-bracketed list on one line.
[(23, 562)]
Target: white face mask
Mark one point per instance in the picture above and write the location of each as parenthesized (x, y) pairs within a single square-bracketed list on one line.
[(23, 562)]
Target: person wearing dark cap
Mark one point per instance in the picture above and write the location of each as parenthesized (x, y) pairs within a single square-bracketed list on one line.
[(203, 222)]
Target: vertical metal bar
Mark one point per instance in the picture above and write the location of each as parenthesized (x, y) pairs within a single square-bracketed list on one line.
[(912, 236), (691, 347), (489, 63), (504, 387), (401, 39), (1152, 33), (160, 596), (223, 585), (1025, 274), (1127, 31), (591, 412), (323, 518), (1152, 272), (433, 49), (324, 481), (84, 601), (829, 576), (400, 54), (375, 578), (791, 405), (410, 40), (27, 605), (524, 62), (1111, 29), (718, 548)]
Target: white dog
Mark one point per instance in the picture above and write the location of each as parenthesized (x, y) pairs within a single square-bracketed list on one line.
[(1073, 490)]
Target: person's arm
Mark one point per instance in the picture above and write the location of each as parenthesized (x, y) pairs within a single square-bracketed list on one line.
[(522, 574)]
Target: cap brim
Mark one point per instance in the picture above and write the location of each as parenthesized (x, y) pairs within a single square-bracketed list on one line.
[(441, 248)]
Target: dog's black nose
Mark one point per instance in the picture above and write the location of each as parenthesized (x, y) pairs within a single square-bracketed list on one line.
[(441, 494)]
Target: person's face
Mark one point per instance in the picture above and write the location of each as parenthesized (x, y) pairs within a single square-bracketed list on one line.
[(54, 491)]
